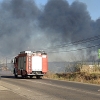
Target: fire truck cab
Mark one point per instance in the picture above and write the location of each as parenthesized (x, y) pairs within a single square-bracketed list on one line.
[(31, 64)]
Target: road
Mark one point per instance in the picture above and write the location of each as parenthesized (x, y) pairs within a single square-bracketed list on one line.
[(47, 89)]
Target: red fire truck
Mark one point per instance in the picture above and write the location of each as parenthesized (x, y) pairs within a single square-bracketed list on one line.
[(31, 64)]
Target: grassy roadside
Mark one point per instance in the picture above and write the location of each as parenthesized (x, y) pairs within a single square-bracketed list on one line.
[(84, 77), (83, 72)]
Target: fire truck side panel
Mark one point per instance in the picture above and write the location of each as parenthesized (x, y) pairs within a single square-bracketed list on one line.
[(22, 63), (28, 64), (36, 63), (44, 63)]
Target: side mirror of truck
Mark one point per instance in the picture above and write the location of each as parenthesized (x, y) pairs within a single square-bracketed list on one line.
[(12, 61)]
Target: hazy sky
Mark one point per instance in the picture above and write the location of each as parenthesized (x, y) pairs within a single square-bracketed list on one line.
[(93, 6)]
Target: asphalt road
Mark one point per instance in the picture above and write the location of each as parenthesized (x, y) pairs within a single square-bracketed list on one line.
[(47, 89)]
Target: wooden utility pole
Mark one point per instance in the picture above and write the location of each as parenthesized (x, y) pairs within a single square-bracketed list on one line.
[(6, 61)]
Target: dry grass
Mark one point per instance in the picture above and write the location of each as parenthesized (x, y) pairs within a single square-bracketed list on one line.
[(84, 77), (84, 73)]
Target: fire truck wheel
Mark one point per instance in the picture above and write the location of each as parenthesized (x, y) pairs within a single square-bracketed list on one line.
[(38, 77), (22, 74), (26, 76), (16, 76), (31, 76)]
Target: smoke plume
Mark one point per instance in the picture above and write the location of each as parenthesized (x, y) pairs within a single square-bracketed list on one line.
[(24, 26)]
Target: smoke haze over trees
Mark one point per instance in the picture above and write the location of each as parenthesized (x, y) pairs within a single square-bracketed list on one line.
[(24, 26)]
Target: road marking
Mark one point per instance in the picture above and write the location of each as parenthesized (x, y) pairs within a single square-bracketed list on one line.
[(74, 89), (3, 88), (30, 95)]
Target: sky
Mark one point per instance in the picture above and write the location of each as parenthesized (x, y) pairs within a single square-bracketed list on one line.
[(93, 6)]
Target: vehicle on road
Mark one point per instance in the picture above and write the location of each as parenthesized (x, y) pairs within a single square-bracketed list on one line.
[(30, 64)]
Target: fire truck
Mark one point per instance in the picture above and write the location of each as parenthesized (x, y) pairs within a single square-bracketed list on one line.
[(29, 64)]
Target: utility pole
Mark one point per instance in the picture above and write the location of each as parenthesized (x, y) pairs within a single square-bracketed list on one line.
[(6, 61)]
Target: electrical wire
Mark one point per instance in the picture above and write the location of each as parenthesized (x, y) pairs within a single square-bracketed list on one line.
[(75, 42), (75, 49)]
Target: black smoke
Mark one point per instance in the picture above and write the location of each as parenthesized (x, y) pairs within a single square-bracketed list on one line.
[(17, 24), (24, 26), (72, 21)]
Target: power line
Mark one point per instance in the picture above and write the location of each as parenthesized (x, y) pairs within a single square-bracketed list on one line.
[(78, 43), (75, 42), (83, 40), (75, 49)]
